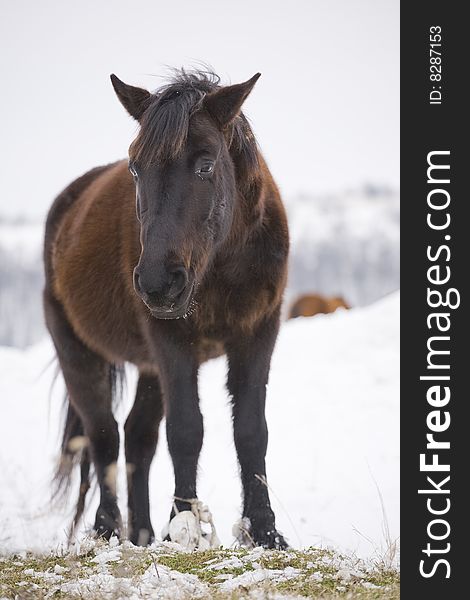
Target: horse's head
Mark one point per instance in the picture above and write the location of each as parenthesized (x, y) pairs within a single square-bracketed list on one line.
[(185, 179)]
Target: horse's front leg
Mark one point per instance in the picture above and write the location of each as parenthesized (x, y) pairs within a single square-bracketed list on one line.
[(249, 361), (184, 426)]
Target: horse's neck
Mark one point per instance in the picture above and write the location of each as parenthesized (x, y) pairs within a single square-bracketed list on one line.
[(249, 205), (252, 184), (247, 222)]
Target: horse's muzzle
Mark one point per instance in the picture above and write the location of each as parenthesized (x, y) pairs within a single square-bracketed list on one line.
[(170, 301)]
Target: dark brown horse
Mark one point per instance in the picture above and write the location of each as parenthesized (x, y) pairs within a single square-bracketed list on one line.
[(163, 261)]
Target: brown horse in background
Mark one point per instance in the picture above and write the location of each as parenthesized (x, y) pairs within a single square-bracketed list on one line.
[(310, 305), (164, 260)]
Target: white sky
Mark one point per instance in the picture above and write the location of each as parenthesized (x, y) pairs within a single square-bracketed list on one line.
[(325, 111)]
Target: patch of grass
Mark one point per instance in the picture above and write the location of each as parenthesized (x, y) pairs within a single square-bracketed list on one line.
[(318, 577), (312, 573), (200, 563), (19, 574), (330, 588)]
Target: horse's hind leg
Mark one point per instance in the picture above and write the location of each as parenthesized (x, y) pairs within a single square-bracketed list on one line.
[(141, 431), (88, 378)]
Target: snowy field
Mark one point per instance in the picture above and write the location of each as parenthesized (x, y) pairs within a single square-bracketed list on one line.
[(333, 415)]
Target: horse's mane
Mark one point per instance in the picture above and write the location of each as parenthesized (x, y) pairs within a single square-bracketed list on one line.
[(165, 123)]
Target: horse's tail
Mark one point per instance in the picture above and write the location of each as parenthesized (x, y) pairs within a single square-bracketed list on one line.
[(74, 451)]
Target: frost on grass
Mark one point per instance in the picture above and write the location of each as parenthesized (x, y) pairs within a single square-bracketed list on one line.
[(97, 569)]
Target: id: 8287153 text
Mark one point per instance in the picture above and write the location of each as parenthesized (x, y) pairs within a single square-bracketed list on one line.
[(435, 64)]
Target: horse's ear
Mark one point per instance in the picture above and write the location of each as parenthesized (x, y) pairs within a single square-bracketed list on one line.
[(224, 105), (135, 100)]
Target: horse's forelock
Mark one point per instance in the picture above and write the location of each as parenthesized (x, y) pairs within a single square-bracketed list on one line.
[(165, 124)]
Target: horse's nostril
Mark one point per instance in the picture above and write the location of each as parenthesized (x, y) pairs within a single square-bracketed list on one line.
[(177, 281)]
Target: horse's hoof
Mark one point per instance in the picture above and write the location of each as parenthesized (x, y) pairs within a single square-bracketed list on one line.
[(271, 540), (106, 525), (265, 536), (142, 536)]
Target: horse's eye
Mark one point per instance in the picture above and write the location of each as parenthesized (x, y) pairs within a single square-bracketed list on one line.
[(132, 170), (205, 170)]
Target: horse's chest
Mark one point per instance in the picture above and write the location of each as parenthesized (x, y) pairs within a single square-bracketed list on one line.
[(225, 311)]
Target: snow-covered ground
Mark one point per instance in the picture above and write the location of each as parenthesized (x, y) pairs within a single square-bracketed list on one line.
[(94, 569), (333, 415)]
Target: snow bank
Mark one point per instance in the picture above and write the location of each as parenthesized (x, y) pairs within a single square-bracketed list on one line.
[(333, 453)]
